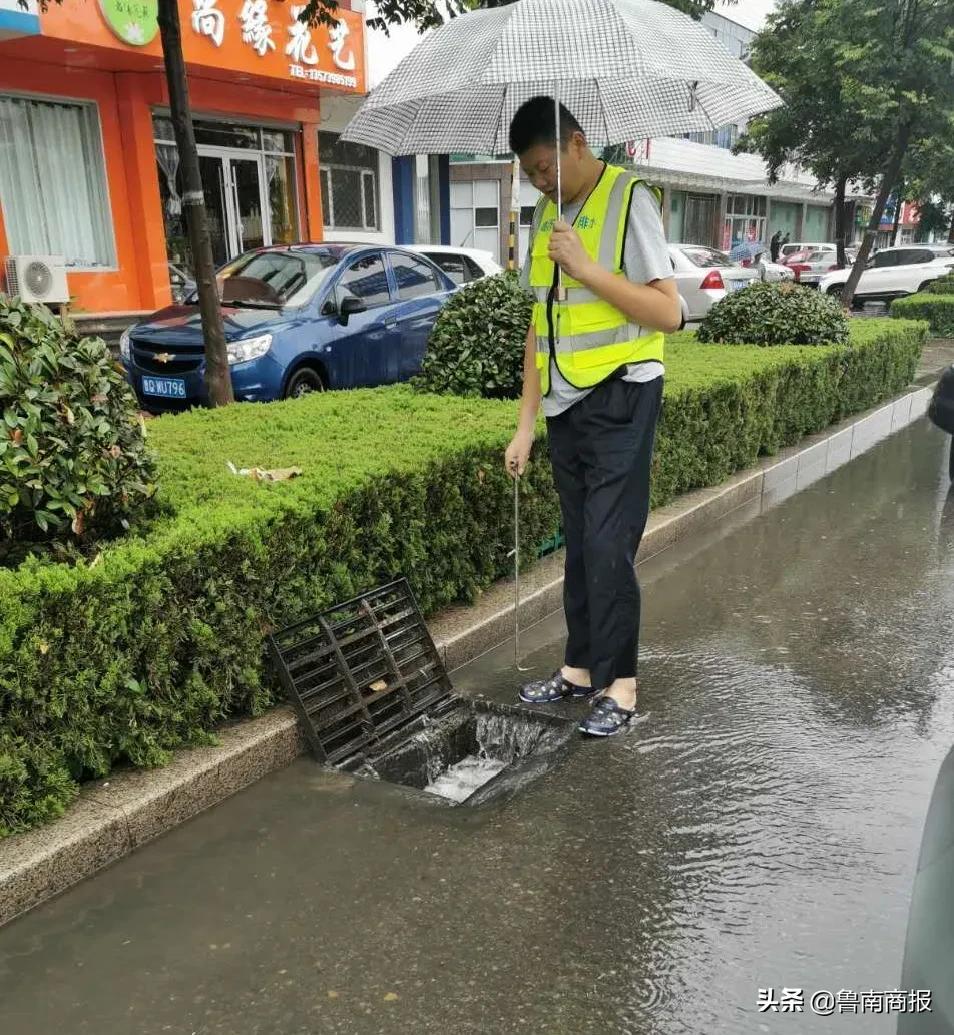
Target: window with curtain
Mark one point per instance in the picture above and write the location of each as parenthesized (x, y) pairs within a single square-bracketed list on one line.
[(53, 182), (349, 184)]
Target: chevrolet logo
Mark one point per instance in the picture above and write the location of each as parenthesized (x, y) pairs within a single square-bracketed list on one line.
[(163, 357)]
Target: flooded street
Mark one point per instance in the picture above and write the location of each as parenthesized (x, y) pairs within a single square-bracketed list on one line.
[(759, 828)]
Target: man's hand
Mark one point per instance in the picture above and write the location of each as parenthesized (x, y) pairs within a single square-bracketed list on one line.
[(518, 453), (567, 251)]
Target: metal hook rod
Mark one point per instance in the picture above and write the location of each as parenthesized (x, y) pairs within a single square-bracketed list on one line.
[(515, 553)]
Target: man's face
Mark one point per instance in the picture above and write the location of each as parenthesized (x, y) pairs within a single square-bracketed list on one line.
[(539, 164)]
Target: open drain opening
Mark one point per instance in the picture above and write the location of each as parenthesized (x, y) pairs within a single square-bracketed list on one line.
[(375, 699)]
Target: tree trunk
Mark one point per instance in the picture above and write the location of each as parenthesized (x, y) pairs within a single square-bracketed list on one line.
[(841, 220), (897, 215), (217, 378), (950, 236), (888, 179)]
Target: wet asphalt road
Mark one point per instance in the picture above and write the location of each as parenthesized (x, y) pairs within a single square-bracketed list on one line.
[(759, 827)]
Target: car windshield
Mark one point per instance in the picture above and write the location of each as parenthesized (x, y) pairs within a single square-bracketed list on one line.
[(273, 279), (707, 258)]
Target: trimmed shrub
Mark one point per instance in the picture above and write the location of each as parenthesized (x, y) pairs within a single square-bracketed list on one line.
[(937, 310), (942, 286), (73, 462), (476, 347), (775, 314), (163, 638)]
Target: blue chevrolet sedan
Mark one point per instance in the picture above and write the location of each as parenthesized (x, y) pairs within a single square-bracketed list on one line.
[(298, 318)]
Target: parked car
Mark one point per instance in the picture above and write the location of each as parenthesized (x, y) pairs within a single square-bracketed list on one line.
[(772, 272), (810, 266), (705, 276), (788, 250), (895, 272), (298, 318), (462, 265)]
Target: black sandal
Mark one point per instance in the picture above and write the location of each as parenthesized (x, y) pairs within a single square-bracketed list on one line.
[(607, 718), (556, 688)]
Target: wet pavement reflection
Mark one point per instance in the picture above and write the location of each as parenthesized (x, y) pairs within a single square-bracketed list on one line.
[(758, 828)]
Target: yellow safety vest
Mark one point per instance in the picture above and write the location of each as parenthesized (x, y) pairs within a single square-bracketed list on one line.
[(587, 337)]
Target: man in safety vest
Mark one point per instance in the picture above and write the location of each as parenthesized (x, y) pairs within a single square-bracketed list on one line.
[(594, 357)]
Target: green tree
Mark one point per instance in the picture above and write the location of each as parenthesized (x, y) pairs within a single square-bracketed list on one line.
[(821, 127), (930, 174), (868, 85), (897, 56), (427, 14)]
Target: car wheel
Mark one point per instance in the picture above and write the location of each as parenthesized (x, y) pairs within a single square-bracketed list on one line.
[(925, 286), (304, 381), (836, 291)]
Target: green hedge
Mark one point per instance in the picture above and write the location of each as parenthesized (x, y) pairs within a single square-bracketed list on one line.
[(149, 647), (937, 310)]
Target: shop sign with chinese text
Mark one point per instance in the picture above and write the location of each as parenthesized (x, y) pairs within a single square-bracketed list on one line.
[(256, 37)]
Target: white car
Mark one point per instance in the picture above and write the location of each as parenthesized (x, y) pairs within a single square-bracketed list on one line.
[(705, 276), (773, 272), (462, 265), (792, 247), (895, 272)]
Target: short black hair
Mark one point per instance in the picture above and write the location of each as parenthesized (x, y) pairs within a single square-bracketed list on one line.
[(535, 123)]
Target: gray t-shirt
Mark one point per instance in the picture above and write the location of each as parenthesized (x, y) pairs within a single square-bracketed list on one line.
[(645, 258)]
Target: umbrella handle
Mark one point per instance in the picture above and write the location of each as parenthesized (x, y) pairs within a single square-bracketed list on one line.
[(560, 290)]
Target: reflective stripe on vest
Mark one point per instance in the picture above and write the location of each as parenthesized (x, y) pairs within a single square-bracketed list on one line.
[(588, 338)]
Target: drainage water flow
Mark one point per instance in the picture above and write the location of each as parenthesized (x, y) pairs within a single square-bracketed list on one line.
[(501, 742), (460, 781)]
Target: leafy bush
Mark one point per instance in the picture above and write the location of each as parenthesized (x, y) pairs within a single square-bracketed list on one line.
[(775, 314), (942, 286), (938, 310), (154, 645), (73, 461), (476, 347)]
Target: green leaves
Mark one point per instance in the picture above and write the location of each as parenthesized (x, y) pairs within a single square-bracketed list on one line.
[(775, 314), (69, 432), (853, 73), (936, 308), (477, 345)]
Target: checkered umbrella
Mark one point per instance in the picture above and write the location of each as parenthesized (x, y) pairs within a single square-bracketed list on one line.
[(627, 69)]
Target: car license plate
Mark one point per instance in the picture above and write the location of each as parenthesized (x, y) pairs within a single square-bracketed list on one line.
[(164, 387), (737, 285)]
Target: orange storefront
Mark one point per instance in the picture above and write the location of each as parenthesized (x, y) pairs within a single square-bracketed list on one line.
[(88, 164)]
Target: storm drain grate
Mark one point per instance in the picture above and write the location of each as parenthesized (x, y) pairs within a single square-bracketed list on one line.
[(360, 671)]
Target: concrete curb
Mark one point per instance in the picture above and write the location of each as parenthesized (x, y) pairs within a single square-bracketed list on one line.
[(114, 817)]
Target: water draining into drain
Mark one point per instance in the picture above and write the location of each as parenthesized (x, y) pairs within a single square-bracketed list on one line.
[(470, 752), (464, 777), (375, 699)]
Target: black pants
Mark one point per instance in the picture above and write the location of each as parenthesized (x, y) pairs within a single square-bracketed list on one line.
[(601, 450)]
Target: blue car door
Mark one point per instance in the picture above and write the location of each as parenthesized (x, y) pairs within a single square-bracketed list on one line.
[(421, 291), (360, 350)]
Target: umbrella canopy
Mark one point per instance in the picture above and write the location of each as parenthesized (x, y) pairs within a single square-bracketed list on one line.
[(625, 68), (747, 250)]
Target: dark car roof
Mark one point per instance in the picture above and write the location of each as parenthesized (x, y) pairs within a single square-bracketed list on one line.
[(336, 248)]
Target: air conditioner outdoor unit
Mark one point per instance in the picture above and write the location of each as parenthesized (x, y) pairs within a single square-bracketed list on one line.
[(38, 278)]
